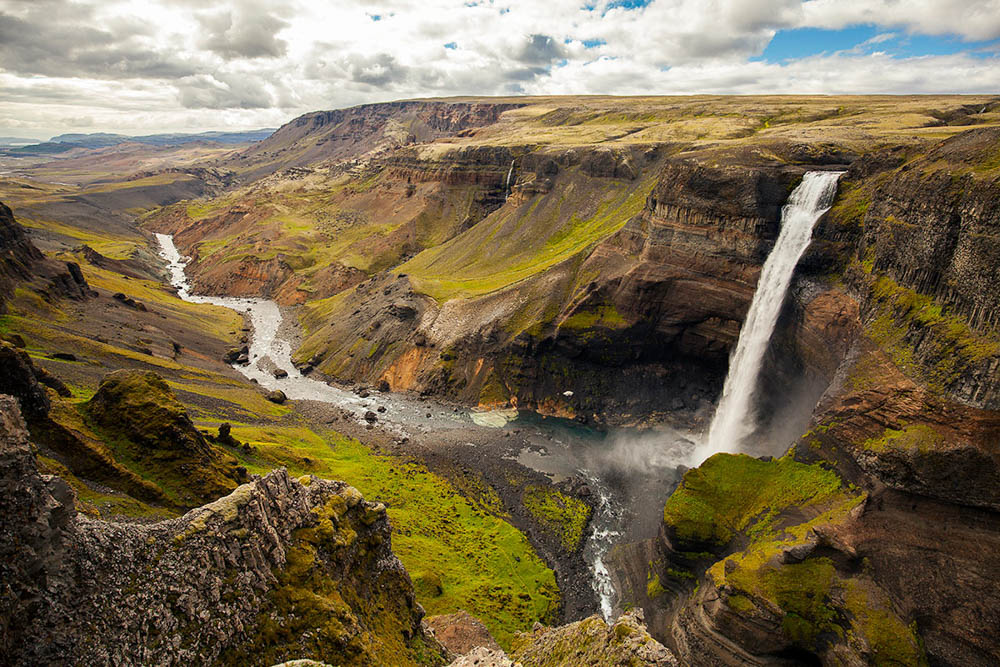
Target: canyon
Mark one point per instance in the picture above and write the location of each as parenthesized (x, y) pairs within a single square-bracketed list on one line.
[(510, 313)]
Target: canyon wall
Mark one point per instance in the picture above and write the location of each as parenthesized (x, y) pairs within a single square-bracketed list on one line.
[(873, 539)]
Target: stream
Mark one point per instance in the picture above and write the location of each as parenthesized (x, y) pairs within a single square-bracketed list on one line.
[(629, 473)]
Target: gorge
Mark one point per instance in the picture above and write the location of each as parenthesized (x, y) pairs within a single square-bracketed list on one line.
[(530, 336)]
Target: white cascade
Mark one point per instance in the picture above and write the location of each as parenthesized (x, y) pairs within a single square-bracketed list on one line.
[(734, 417), (510, 174)]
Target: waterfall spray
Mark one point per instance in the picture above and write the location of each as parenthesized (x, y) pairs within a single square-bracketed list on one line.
[(510, 174), (734, 417)]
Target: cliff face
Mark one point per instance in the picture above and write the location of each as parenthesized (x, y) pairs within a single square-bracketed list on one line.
[(279, 569), (636, 318), (873, 539)]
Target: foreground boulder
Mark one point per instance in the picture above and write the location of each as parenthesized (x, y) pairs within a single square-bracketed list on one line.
[(278, 570)]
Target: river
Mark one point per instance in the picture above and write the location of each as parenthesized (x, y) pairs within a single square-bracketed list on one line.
[(630, 473)]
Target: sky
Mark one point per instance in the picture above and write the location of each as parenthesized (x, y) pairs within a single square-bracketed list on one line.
[(144, 66)]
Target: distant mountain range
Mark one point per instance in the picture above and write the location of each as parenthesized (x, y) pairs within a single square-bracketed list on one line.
[(67, 142)]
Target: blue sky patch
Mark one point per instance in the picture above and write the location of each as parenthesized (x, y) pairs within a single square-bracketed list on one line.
[(628, 4), (624, 4), (864, 39)]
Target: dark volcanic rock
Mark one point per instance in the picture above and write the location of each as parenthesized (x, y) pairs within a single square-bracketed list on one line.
[(18, 378), (211, 585), (17, 255)]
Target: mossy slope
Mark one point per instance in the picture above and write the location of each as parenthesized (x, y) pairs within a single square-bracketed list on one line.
[(151, 429), (777, 574)]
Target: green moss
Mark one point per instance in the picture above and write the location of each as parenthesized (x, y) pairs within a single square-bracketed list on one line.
[(853, 202), (560, 514), (494, 392), (948, 346), (740, 603), (918, 438), (437, 533), (604, 316), (98, 503), (728, 492), (512, 245), (890, 641), (150, 432), (333, 602), (654, 587)]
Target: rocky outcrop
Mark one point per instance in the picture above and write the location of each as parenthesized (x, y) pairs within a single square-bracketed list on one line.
[(461, 632), (17, 253), (591, 642), (139, 408), (19, 378), (22, 262), (279, 569)]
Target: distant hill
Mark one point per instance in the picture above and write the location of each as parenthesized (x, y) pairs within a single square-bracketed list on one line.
[(16, 141), (66, 142)]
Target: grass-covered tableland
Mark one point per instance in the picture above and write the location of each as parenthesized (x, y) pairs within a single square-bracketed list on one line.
[(731, 493)]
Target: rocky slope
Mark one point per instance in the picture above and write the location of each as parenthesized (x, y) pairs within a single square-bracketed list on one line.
[(21, 261), (344, 134), (280, 568), (591, 642)]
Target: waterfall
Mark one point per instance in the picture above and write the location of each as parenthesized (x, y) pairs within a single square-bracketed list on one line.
[(510, 174), (734, 417)]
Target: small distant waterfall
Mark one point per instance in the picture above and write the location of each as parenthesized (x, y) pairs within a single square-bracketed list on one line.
[(734, 417), (506, 186)]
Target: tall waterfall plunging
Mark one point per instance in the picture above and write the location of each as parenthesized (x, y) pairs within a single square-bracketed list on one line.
[(734, 417), (506, 185)]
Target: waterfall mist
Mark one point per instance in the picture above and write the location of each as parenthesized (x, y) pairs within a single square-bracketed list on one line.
[(734, 417)]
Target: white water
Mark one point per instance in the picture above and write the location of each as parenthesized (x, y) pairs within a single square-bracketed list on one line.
[(734, 417), (510, 174), (267, 350)]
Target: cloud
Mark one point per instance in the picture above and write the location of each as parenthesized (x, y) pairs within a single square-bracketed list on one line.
[(181, 63), (972, 21), (379, 69), (223, 92), (540, 50), (245, 31)]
